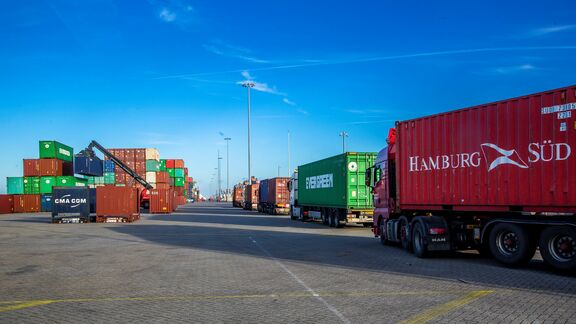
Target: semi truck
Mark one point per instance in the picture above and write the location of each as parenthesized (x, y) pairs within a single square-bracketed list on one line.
[(273, 196), (498, 177), (333, 190)]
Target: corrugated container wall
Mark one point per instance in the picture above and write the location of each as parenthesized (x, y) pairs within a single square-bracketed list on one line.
[(278, 193), (6, 204), (31, 167), (337, 182), (514, 154)]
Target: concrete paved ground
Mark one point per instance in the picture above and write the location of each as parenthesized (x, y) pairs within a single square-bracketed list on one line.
[(215, 263)]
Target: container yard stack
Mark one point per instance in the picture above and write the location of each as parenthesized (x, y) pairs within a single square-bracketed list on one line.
[(53, 168), (274, 196), (176, 171)]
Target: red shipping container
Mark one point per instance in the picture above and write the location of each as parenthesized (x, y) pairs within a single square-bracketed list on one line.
[(140, 167), (161, 201), (189, 180), (31, 167), (251, 195), (118, 153), (52, 167), (162, 186), (179, 191), (169, 164), (120, 177), (6, 204), (140, 155), (162, 177), (516, 154), (117, 201), (278, 193), (26, 203), (178, 164), (129, 155)]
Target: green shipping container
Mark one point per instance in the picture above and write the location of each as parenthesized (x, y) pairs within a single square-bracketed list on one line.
[(162, 165), (179, 173), (31, 185), (46, 184), (70, 182), (152, 166), (109, 178), (15, 185), (336, 182), (56, 150), (171, 172), (178, 182)]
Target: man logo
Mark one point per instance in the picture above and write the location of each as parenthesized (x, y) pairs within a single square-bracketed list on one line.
[(500, 156)]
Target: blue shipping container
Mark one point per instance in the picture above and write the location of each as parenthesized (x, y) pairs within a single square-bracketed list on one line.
[(88, 166), (109, 166), (46, 203), (263, 191), (71, 200)]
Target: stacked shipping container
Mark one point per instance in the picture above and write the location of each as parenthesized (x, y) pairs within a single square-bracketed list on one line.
[(54, 168)]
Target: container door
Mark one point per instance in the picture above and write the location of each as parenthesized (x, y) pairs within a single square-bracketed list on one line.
[(358, 193)]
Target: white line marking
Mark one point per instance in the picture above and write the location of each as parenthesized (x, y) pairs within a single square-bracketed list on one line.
[(310, 290)]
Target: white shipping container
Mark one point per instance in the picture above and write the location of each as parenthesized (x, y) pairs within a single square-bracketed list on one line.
[(152, 154), (151, 177)]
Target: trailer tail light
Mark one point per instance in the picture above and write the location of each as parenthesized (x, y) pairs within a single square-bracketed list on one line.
[(305, 213), (437, 231), (287, 205)]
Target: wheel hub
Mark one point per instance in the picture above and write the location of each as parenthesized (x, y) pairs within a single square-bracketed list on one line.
[(508, 243), (564, 247)]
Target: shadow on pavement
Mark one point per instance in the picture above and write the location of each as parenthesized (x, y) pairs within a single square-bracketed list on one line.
[(363, 253)]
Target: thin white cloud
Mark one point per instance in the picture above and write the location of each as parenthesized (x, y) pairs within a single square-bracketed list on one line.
[(288, 102), (514, 69), (259, 86), (302, 111), (551, 30), (381, 58), (247, 75), (221, 48), (167, 15)]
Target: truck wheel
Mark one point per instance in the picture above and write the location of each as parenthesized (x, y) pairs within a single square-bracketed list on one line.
[(325, 217), (403, 235), (558, 247), (419, 244), (331, 220), (510, 244), (338, 223), (383, 234)]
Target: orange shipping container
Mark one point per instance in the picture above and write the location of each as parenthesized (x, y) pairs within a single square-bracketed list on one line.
[(31, 167), (140, 155), (51, 167), (26, 203), (117, 201), (178, 164), (161, 201), (162, 177), (6, 204)]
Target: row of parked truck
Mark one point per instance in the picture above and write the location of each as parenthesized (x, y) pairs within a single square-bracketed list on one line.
[(499, 178)]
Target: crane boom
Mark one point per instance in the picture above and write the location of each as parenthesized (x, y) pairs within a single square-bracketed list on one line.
[(89, 152)]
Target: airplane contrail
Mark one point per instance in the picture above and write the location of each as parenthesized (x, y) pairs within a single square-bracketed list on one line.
[(373, 59)]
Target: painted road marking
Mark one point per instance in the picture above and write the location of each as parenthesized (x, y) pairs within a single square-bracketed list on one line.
[(303, 284), (21, 304), (443, 309)]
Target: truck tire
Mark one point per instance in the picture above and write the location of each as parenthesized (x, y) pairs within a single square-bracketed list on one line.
[(331, 220), (558, 247), (404, 234), (419, 244), (338, 222), (510, 244), (383, 234), (325, 217)]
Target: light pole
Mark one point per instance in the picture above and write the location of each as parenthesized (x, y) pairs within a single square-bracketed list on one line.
[(278, 171), (289, 170), (248, 85), (219, 177), (227, 139), (344, 135)]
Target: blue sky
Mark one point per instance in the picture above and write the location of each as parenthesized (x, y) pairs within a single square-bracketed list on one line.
[(165, 73)]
